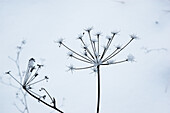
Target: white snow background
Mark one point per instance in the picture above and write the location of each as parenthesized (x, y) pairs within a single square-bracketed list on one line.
[(137, 87)]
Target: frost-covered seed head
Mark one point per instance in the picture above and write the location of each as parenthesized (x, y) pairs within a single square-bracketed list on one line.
[(98, 33), (118, 46), (88, 29), (97, 54), (85, 53), (80, 36), (70, 54), (85, 47), (108, 37), (133, 36), (94, 40), (23, 42), (60, 41), (71, 68), (114, 32), (130, 58), (105, 47)]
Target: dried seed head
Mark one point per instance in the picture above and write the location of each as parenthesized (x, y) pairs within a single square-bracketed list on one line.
[(88, 29), (60, 41), (130, 58), (80, 36), (70, 54), (133, 36)]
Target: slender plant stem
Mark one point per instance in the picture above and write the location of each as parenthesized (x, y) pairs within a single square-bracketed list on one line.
[(81, 59), (83, 68), (119, 50), (107, 47), (116, 62), (98, 44), (74, 52), (42, 100), (91, 43), (110, 55), (98, 87), (87, 49)]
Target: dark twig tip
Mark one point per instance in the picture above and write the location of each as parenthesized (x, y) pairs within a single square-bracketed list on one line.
[(8, 72)]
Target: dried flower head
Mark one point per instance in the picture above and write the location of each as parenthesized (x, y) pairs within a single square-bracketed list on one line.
[(88, 29), (133, 36), (114, 32), (108, 37), (98, 34), (118, 46), (71, 68), (60, 41), (130, 58), (80, 36), (94, 40), (70, 54)]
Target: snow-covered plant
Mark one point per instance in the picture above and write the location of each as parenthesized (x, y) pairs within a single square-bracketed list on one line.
[(95, 56), (21, 96), (28, 79)]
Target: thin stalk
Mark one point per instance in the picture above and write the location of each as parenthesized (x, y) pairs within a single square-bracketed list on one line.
[(15, 79), (47, 93), (98, 87), (110, 55), (37, 81), (83, 68), (87, 48), (107, 47), (116, 62), (42, 100), (91, 43), (121, 49), (75, 52), (98, 43), (81, 59)]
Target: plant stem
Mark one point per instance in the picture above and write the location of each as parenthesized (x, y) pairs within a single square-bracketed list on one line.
[(98, 87), (54, 107)]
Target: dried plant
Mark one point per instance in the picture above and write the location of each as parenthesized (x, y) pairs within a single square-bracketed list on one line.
[(28, 79), (96, 57), (20, 94)]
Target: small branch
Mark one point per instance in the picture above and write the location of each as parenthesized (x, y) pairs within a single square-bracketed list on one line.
[(37, 98), (75, 52), (81, 59), (14, 78), (47, 93), (87, 49), (108, 57), (37, 82), (121, 49), (18, 108), (115, 62), (83, 68), (107, 46), (91, 43)]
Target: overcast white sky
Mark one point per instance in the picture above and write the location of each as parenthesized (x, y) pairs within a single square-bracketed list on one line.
[(137, 87)]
